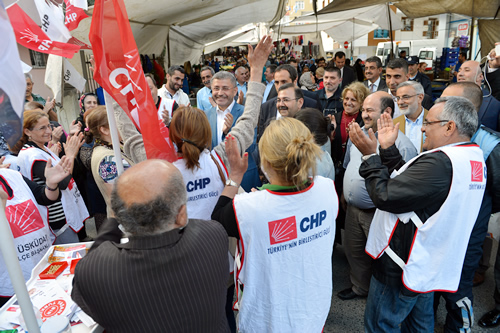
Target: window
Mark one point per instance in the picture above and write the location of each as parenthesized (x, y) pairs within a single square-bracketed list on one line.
[(381, 33), (407, 24), (426, 55), (432, 30), (299, 5), (38, 60)]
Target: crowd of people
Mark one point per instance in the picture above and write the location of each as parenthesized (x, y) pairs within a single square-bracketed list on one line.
[(274, 160)]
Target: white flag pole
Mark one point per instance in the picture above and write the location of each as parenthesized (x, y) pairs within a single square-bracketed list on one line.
[(114, 132), (16, 274)]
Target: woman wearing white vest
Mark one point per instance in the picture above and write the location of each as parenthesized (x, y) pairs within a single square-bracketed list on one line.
[(103, 165), (286, 233), (67, 216), (24, 203)]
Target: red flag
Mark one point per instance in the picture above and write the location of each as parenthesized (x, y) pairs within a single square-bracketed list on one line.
[(119, 72), (78, 42), (29, 35), (73, 15)]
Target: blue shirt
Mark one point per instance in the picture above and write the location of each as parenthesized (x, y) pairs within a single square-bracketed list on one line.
[(202, 99), (269, 86), (242, 87)]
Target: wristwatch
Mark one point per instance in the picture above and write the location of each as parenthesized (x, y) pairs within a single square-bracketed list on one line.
[(366, 157), (231, 182)]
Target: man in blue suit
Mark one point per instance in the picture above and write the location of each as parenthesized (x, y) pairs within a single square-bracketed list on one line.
[(490, 108), (223, 117)]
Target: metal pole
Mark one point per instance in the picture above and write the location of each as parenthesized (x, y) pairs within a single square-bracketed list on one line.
[(114, 132), (16, 274), (390, 30)]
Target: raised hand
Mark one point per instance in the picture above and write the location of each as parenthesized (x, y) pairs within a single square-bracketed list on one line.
[(387, 131), (75, 128), (53, 175), (165, 115), (495, 62), (257, 58), (3, 166), (49, 105), (57, 134), (55, 147), (212, 102), (72, 146), (366, 145), (237, 163)]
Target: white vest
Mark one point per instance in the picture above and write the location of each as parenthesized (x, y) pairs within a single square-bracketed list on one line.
[(436, 257), (71, 198), (288, 240), (204, 185), (28, 223)]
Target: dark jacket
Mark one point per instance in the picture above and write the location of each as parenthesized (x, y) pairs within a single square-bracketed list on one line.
[(489, 111), (382, 85), (425, 82), (330, 105), (348, 76), (494, 81)]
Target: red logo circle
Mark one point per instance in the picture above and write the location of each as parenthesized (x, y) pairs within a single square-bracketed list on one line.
[(51, 309)]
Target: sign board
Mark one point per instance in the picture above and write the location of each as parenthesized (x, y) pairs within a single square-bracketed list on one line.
[(346, 44), (463, 29)]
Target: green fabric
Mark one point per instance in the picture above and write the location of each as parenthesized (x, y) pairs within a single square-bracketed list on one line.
[(276, 188), (37, 98)]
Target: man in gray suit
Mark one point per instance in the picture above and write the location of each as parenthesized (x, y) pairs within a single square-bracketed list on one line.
[(148, 284), (373, 70)]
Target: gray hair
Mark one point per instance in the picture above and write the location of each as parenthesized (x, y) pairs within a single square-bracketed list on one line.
[(222, 75), (171, 70), (205, 68), (28, 76), (155, 216), (419, 90), (462, 112)]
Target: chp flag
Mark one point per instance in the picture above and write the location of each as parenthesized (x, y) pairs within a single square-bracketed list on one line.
[(52, 18), (75, 12), (118, 70), (12, 83), (29, 35)]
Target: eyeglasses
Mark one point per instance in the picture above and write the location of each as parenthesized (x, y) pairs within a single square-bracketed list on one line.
[(224, 89), (427, 123), (404, 97), (285, 100)]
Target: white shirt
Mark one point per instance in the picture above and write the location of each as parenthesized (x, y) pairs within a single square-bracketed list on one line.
[(269, 86), (375, 85), (180, 96), (220, 120), (413, 130)]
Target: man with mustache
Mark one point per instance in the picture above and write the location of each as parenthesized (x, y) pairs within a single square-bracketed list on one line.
[(373, 70), (409, 96), (204, 100), (173, 88), (290, 100)]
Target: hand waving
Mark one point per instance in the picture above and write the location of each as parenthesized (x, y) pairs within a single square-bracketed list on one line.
[(387, 131)]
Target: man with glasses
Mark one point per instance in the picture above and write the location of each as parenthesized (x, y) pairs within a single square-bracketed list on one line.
[(330, 97), (290, 100), (426, 209), (409, 97)]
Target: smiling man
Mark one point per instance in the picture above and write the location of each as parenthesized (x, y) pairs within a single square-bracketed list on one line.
[(173, 88), (425, 214), (360, 208), (410, 95), (373, 70), (203, 97), (330, 97), (290, 100)]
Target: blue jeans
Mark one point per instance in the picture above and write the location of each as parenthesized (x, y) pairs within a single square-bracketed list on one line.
[(387, 310)]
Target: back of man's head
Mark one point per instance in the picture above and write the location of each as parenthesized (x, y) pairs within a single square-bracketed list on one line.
[(469, 90), (149, 198), (386, 101), (398, 63)]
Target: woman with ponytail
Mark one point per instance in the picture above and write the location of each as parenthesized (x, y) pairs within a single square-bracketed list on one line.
[(286, 233)]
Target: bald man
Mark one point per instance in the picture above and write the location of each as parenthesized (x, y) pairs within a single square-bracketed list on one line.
[(171, 275), (489, 112), (459, 304)]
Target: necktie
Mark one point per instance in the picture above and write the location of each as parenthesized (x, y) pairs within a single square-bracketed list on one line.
[(372, 86)]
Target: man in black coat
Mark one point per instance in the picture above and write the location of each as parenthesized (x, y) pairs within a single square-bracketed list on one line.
[(283, 74), (415, 75), (347, 74)]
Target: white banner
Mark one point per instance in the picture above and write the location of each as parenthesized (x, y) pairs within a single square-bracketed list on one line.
[(52, 18), (53, 76), (80, 4), (72, 76), (12, 83)]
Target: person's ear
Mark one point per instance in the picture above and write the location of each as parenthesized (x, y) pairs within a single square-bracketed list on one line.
[(182, 217)]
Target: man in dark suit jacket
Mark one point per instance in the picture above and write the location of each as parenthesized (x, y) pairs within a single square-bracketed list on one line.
[(348, 75), (373, 72), (488, 114), (284, 74), (148, 284), (493, 74), (415, 75)]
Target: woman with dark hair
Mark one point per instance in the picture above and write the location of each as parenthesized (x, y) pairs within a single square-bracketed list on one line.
[(358, 68), (66, 217), (318, 125), (87, 102)]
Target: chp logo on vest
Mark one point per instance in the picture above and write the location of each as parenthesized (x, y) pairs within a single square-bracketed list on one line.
[(476, 171), (24, 218), (282, 230)]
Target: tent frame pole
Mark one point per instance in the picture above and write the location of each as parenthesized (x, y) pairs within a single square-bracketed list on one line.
[(390, 30)]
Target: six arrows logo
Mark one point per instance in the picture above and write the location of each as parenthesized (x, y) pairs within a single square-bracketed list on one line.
[(24, 218), (282, 230), (477, 171)]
